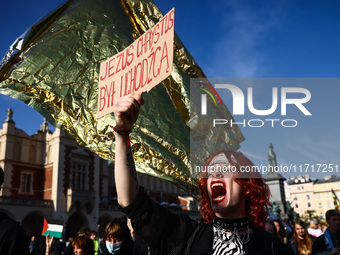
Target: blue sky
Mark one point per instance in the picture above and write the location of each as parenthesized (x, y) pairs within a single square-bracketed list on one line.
[(241, 39)]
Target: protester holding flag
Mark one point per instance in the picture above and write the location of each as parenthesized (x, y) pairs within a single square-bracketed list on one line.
[(234, 210), (49, 241)]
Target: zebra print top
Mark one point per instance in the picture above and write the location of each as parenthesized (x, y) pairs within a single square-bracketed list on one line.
[(230, 236)]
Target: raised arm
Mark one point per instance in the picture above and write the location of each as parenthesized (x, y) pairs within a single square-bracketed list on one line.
[(49, 241), (126, 110)]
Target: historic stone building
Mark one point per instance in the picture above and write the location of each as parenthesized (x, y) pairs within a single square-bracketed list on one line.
[(48, 175), (301, 193), (323, 195), (307, 194)]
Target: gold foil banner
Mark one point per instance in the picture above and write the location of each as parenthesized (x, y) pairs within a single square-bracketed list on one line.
[(56, 72)]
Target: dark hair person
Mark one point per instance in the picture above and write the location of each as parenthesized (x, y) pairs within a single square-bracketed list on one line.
[(233, 205), (117, 239), (280, 228), (271, 228), (329, 242), (11, 233)]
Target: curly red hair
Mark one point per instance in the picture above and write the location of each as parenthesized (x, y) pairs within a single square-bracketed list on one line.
[(255, 189)]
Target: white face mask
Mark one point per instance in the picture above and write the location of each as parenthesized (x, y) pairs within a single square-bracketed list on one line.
[(113, 248)]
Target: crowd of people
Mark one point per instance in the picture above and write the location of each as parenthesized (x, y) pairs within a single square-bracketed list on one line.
[(315, 239), (120, 238), (234, 208)]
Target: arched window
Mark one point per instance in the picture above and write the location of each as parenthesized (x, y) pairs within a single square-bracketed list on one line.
[(17, 151), (32, 154)]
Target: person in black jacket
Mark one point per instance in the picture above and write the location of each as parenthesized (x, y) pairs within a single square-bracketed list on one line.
[(233, 205), (13, 238), (329, 242)]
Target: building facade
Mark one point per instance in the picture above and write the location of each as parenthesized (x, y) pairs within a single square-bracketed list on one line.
[(301, 194), (313, 195), (323, 195), (48, 175)]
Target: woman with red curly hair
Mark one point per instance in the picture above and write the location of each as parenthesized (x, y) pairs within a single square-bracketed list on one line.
[(254, 191), (233, 202)]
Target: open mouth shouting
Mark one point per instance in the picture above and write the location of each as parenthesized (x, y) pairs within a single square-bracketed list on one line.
[(218, 191)]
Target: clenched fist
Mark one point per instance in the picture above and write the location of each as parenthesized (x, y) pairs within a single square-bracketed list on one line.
[(126, 111)]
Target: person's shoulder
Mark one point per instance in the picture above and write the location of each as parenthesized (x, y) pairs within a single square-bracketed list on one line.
[(291, 241), (315, 232), (320, 237), (314, 237), (319, 240), (273, 243), (201, 225), (262, 233), (12, 233), (319, 245), (68, 250), (9, 225)]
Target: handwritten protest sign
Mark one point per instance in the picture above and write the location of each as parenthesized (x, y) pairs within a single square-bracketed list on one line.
[(139, 67)]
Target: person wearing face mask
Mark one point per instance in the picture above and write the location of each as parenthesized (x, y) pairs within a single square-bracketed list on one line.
[(117, 239), (233, 205)]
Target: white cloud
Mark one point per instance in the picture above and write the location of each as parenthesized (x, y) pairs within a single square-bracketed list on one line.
[(253, 155), (323, 152)]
